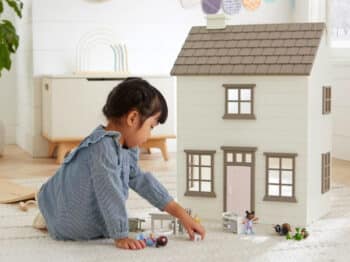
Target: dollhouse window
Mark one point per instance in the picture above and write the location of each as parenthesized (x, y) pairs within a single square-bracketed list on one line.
[(235, 157), (200, 173), (327, 97), (326, 172), (239, 101), (280, 177)]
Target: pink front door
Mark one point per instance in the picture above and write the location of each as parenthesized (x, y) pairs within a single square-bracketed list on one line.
[(238, 189)]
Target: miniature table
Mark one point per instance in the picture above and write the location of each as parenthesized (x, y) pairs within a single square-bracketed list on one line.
[(162, 217)]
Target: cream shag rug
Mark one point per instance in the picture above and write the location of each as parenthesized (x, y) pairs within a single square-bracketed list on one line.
[(329, 240)]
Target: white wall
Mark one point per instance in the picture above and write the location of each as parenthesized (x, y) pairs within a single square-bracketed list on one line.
[(340, 68), (341, 109), (24, 80), (310, 11), (153, 31), (280, 126), (319, 134), (8, 105), (8, 95)]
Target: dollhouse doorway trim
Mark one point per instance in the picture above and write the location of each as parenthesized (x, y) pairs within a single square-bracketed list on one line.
[(239, 157)]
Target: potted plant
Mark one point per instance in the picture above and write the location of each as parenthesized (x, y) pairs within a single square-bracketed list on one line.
[(9, 41)]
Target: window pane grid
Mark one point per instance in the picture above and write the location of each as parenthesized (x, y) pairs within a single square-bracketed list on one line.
[(326, 166), (195, 181), (327, 94), (280, 189), (243, 105)]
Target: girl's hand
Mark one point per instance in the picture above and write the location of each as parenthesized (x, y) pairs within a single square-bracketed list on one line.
[(129, 243), (188, 222), (192, 227)]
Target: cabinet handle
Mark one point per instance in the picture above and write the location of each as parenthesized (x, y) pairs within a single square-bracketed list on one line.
[(46, 86)]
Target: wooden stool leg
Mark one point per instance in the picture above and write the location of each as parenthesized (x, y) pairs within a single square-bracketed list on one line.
[(164, 150), (61, 153), (52, 147)]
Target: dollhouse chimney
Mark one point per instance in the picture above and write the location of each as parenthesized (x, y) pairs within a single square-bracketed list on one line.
[(216, 21)]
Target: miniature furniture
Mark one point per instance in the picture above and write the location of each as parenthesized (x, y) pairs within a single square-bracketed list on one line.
[(232, 222), (72, 109), (135, 224), (161, 217)]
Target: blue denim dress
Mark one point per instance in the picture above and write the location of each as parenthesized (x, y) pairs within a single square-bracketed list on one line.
[(86, 197)]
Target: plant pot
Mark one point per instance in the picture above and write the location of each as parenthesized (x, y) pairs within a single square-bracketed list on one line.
[(2, 138)]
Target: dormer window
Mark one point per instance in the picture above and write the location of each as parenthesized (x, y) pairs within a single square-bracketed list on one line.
[(239, 101)]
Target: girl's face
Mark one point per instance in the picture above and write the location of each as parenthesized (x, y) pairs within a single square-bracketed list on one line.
[(136, 134)]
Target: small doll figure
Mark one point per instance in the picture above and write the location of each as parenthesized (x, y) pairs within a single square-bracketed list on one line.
[(283, 229), (151, 241), (248, 223)]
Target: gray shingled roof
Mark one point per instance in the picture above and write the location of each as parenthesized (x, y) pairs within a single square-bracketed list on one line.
[(265, 49)]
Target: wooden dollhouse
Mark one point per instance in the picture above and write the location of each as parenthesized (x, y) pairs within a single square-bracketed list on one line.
[(254, 122)]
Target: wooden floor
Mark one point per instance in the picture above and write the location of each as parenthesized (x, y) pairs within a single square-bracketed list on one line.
[(18, 164)]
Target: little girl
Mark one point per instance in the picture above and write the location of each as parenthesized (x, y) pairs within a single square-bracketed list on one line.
[(86, 197)]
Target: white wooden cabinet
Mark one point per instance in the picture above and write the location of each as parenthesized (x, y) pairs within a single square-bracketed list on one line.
[(72, 106)]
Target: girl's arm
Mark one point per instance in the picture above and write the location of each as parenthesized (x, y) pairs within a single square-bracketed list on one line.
[(147, 186), (189, 223)]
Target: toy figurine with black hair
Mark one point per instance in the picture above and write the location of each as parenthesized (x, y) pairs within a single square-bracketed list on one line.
[(283, 229), (248, 223), (151, 241)]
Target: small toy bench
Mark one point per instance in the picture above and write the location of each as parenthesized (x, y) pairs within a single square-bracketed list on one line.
[(63, 147)]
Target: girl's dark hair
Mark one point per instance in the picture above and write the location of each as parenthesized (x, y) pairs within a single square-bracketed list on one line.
[(134, 93)]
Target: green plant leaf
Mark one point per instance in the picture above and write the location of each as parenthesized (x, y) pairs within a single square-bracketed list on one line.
[(8, 35), (5, 61), (9, 40), (16, 5)]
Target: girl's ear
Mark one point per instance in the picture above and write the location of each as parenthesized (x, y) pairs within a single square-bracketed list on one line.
[(132, 118)]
